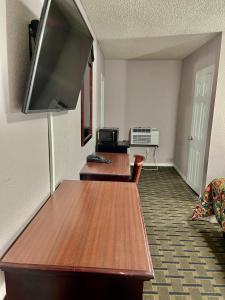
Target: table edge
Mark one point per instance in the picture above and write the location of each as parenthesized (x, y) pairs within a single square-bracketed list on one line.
[(10, 267)]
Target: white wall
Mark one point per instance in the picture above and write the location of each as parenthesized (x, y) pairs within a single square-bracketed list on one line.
[(216, 161), (24, 175), (205, 56), (116, 95), (24, 163), (144, 93)]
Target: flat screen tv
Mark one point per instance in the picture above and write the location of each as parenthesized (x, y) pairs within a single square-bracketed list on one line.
[(63, 47)]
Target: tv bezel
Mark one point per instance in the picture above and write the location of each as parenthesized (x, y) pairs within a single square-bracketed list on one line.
[(35, 60)]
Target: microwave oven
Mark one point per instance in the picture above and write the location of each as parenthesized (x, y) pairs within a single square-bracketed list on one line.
[(108, 135)]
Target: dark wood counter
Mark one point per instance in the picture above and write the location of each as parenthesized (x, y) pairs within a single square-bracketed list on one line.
[(118, 170), (87, 242)]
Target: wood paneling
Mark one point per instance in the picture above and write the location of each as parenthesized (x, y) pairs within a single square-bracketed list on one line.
[(93, 227), (119, 169)]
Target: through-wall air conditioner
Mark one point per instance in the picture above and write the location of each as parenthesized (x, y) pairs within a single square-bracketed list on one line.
[(144, 136)]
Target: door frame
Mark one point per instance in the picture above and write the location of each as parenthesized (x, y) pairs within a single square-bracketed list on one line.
[(102, 110)]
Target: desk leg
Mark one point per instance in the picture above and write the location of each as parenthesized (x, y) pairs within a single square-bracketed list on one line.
[(44, 285)]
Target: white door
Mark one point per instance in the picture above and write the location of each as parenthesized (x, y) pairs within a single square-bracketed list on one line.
[(102, 119), (199, 128)]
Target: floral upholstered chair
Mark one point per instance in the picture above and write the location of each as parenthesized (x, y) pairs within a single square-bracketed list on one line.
[(212, 202)]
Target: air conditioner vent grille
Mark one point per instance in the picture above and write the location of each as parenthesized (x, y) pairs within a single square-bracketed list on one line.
[(144, 136)]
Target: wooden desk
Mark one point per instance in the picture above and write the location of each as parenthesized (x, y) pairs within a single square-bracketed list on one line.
[(118, 170), (87, 242)]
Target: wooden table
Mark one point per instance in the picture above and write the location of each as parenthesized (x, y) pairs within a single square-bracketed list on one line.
[(87, 242), (118, 170)]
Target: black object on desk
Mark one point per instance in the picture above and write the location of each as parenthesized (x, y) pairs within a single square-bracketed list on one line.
[(97, 158), (108, 135), (119, 147), (108, 141)]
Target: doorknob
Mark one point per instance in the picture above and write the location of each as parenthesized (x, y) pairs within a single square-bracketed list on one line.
[(190, 138)]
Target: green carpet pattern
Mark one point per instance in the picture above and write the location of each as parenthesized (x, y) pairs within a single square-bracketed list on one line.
[(188, 257)]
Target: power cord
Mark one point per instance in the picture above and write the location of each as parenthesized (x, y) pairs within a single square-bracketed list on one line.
[(156, 168)]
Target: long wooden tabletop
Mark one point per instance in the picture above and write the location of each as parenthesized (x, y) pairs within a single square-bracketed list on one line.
[(120, 165), (86, 227)]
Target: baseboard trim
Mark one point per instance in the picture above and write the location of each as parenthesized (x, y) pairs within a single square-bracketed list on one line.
[(146, 164), (158, 164), (180, 173)]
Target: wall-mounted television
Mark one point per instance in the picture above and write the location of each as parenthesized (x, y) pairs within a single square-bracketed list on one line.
[(62, 49)]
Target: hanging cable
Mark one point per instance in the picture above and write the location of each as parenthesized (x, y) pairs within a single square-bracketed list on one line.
[(155, 168)]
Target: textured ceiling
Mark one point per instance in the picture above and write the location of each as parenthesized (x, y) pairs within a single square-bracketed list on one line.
[(169, 47), (154, 29)]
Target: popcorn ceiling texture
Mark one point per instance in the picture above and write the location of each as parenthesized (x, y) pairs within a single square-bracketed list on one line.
[(125, 28), (145, 18)]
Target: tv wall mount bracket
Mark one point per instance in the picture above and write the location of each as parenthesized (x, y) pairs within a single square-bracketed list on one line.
[(33, 28)]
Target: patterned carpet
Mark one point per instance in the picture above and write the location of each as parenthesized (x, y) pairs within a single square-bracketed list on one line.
[(188, 257)]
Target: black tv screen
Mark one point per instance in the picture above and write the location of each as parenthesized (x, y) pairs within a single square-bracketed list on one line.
[(62, 50)]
